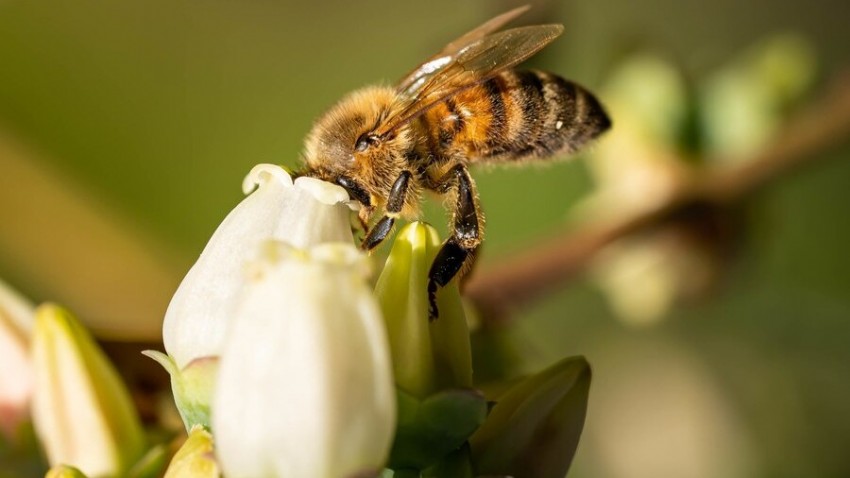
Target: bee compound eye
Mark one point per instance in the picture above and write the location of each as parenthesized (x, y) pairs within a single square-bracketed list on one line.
[(362, 143), (365, 140)]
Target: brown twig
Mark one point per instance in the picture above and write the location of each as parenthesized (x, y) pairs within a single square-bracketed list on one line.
[(498, 290)]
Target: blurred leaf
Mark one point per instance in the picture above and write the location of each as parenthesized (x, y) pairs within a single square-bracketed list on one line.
[(455, 465), (152, 463)]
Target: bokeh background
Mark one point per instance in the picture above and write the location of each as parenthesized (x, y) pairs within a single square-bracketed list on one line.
[(126, 129)]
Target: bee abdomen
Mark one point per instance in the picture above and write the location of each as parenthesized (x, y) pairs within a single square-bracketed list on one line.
[(538, 114)]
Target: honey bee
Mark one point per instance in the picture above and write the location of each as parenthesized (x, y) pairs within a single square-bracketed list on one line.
[(465, 105)]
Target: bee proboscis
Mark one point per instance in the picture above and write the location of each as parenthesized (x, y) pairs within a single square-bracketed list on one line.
[(465, 105)]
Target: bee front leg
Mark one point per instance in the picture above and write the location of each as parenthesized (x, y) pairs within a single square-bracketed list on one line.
[(395, 202), (458, 251)]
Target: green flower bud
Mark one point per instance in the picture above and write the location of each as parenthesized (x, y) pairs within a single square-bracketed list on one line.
[(427, 356), (195, 457), (64, 471), (83, 414)]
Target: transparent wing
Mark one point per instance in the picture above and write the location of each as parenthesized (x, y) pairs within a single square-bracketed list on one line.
[(470, 65), (443, 57)]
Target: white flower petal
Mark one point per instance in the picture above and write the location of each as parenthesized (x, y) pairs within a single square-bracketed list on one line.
[(262, 174), (305, 385), (200, 309), (326, 192), (16, 321)]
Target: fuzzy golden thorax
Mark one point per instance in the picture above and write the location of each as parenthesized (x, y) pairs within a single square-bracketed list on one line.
[(340, 144)]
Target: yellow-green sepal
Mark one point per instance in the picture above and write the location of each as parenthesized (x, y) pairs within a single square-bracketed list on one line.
[(192, 386)]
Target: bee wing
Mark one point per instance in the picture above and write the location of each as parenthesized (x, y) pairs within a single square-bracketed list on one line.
[(472, 64), (429, 66)]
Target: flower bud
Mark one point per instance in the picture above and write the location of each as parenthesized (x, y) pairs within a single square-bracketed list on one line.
[(302, 213), (427, 356), (195, 457), (305, 383), (83, 414), (64, 471)]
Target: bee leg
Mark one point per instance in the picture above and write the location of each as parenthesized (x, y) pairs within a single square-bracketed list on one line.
[(458, 251), (395, 202), (378, 233)]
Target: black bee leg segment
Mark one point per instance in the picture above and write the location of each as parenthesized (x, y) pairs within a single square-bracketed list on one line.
[(395, 202), (378, 233), (398, 193), (449, 261), (459, 250)]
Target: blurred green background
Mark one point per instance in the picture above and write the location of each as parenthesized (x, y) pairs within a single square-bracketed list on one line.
[(126, 129)]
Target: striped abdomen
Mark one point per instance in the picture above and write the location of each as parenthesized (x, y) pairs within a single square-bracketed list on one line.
[(513, 116)]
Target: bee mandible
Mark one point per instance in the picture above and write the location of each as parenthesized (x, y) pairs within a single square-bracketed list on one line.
[(465, 105)]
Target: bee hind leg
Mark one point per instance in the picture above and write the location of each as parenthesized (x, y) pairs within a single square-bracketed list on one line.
[(395, 202), (458, 252)]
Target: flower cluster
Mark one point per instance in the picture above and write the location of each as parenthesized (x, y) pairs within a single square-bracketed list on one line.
[(279, 346), (286, 361)]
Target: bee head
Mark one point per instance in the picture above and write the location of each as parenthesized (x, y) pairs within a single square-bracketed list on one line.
[(342, 145)]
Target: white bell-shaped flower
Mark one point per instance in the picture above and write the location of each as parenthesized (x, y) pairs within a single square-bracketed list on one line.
[(303, 212), (305, 385)]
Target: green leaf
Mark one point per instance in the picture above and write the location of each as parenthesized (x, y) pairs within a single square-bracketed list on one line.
[(152, 463), (430, 429), (534, 428), (455, 465)]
